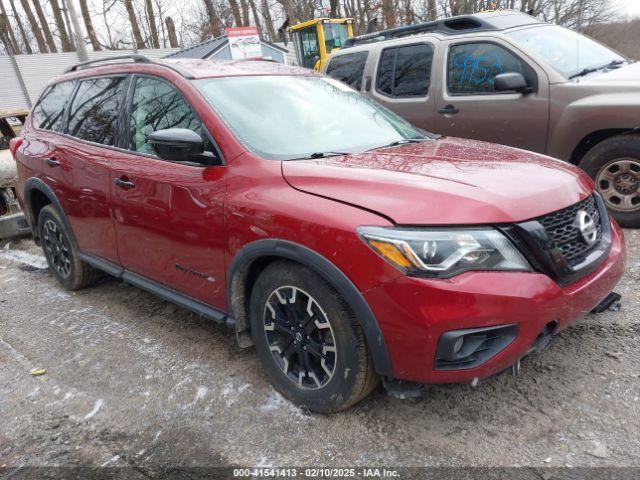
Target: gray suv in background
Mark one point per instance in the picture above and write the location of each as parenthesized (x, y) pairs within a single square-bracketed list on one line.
[(508, 78)]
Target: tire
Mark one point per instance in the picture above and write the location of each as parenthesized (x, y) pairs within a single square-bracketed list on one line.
[(281, 298), (61, 252), (614, 164)]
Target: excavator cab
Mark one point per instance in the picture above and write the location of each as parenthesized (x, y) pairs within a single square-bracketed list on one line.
[(315, 39)]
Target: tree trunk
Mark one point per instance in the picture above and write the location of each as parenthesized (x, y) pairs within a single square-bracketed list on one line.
[(334, 8), (12, 41), (388, 12), (67, 21), (244, 5), (254, 13), (432, 10), (135, 29), (214, 19), (37, 31), (266, 14), (88, 23), (23, 33), (155, 42), (289, 11), (51, 44), (171, 31), (67, 46), (235, 11)]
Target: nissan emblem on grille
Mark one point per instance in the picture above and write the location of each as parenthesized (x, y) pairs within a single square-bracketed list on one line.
[(587, 227)]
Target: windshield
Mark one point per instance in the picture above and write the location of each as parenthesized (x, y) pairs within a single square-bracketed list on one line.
[(335, 35), (290, 117), (566, 51)]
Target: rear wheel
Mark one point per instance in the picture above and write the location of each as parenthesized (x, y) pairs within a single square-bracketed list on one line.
[(614, 164), (308, 340), (61, 253)]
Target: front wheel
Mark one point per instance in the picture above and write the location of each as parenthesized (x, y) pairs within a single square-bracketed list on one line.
[(308, 340), (614, 164)]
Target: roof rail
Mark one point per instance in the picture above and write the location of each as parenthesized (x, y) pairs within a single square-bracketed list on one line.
[(446, 26), (137, 58)]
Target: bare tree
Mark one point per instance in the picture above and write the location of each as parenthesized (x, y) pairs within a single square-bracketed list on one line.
[(11, 41), (171, 31), (35, 28), (65, 40), (135, 29), (235, 11), (88, 23), (51, 44), (268, 21), (155, 43), (23, 32)]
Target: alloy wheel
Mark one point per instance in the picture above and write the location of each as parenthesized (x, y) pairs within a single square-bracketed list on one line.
[(300, 337), (619, 184), (57, 249)]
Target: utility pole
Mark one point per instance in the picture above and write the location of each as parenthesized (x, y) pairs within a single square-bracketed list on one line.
[(80, 46)]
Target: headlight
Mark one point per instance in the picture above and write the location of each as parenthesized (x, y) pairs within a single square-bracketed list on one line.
[(444, 252)]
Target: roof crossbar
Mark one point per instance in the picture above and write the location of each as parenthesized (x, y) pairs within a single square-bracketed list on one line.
[(137, 58)]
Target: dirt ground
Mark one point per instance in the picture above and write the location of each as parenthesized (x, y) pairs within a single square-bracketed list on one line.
[(134, 381)]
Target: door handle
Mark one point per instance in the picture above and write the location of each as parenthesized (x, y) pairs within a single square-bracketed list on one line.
[(448, 110), (124, 183), (52, 162), (367, 84)]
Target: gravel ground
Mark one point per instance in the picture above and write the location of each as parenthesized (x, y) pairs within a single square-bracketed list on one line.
[(134, 381)]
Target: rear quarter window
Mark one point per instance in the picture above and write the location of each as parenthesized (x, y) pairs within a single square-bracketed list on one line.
[(348, 68), (405, 71), (48, 114), (93, 115)]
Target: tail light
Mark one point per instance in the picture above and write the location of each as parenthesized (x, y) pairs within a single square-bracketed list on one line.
[(14, 145)]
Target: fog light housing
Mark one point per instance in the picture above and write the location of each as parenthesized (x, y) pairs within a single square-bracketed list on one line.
[(470, 348)]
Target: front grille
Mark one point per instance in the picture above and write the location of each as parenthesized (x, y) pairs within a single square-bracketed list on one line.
[(561, 227)]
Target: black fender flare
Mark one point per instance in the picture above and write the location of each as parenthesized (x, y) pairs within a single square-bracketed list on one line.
[(35, 184), (239, 270)]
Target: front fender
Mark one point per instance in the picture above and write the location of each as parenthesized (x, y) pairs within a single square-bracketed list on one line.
[(238, 301)]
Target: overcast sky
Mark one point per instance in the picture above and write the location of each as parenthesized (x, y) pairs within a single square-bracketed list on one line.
[(631, 7)]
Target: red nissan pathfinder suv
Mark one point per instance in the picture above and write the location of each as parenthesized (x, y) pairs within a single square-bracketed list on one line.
[(341, 241)]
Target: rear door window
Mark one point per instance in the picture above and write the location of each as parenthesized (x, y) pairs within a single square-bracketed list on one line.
[(405, 71), (348, 68), (93, 115), (473, 67), (48, 114), (157, 105)]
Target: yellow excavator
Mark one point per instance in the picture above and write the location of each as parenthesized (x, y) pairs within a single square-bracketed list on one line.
[(314, 40)]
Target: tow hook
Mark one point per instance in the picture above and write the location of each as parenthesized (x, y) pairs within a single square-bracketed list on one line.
[(402, 389), (611, 303)]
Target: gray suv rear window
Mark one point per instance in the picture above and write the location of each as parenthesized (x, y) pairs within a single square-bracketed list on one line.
[(405, 71), (348, 68)]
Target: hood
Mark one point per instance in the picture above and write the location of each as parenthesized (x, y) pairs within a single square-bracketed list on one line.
[(627, 75), (445, 181)]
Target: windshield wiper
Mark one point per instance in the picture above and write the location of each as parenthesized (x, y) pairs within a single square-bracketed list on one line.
[(314, 155), (400, 142), (587, 71)]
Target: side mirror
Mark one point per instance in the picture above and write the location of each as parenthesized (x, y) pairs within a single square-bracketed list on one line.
[(176, 144), (511, 82)]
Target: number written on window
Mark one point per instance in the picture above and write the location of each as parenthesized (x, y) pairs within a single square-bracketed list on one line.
[(473, 68)]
